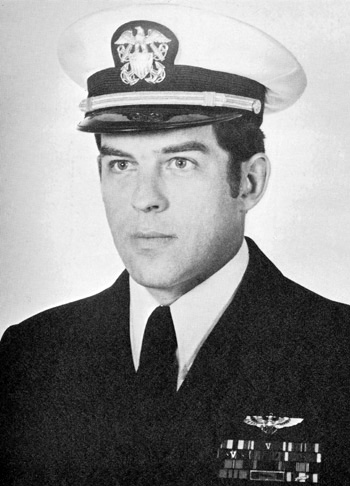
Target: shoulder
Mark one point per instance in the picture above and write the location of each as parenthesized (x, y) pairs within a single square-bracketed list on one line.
[(272, 283), (71, 318), (321, 327), (312, 319), (64, 336), (297, 340)]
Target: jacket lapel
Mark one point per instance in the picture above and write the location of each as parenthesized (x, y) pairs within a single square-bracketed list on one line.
[(110, 320), (237, 332)]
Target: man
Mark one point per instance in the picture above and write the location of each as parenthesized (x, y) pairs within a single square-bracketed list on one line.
[(202, 364)]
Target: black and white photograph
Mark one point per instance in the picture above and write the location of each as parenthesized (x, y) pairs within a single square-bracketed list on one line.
[(175, 234)]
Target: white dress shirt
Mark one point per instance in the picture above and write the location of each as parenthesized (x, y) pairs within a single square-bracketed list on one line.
[(194, 314)]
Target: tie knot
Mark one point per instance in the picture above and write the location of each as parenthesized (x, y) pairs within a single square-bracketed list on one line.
[(161, 312), (160, 333)]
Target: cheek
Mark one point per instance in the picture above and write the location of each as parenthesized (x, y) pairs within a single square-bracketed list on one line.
[(209, 212), (115, 195), (214, 199), (115, 200)]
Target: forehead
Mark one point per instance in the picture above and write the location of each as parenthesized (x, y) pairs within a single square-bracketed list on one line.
[(158, 141)]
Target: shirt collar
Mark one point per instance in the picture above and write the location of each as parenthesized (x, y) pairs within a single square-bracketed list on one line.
[(194, 314)]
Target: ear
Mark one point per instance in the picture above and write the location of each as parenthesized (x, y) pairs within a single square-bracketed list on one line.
[(255, 175)]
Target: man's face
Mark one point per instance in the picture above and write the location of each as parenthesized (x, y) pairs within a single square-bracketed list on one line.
[(169, 207)]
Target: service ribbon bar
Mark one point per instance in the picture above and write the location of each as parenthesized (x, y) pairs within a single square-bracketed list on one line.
[(205, 98), (271, 445), (275, 461)]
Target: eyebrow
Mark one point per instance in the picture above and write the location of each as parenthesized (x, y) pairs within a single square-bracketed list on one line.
[(106, 150), (186, 147), (182, 147)]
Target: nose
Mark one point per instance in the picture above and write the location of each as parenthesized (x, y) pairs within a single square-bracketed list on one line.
[(149, 193)]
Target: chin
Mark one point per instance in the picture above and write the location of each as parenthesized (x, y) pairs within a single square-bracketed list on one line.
[(163, 272), (157, 275), (152, 279)]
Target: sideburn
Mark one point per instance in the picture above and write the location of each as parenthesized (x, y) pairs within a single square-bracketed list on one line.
[(234, 176)]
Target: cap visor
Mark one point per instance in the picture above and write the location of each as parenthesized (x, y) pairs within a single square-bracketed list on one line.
[(141, 120)]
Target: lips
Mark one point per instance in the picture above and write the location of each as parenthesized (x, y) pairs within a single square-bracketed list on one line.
[(152, 240), (151, 235)]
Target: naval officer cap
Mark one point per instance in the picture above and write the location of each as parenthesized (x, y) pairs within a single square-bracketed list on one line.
[(157, 66)]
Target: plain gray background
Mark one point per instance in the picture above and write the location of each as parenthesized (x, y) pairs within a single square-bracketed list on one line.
[(55, 243)]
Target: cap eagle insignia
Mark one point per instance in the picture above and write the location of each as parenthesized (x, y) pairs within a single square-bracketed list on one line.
[(142, 54), (269, 424)]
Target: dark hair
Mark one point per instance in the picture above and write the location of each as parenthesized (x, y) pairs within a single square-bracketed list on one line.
[(98, 140), (240, 138)]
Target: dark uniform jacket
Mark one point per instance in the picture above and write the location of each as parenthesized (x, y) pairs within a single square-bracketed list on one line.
[(71, 413)]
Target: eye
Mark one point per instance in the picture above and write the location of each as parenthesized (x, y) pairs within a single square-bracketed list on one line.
[(119, 165), (181, 163)]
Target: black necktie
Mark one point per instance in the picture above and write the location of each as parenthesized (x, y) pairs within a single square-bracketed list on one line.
[(158, 368)]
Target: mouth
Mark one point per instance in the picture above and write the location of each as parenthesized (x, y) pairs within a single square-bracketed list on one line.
[(152, 239), (149, 235)]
